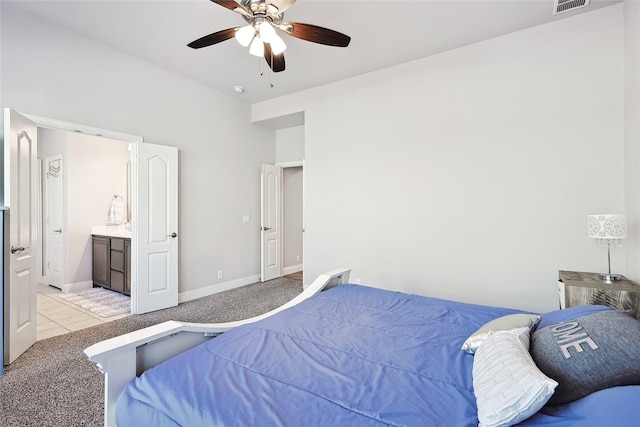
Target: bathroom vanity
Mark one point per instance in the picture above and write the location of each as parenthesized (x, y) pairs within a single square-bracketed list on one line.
[(112, 260)]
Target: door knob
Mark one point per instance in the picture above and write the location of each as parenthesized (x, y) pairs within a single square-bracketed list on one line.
[(59, 230), (266, 228), (173, 235), (15, 249)]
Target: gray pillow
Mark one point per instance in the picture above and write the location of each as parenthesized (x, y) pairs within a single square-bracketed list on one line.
[(588, 354)]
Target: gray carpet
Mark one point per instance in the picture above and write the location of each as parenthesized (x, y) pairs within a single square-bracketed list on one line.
[(53, 384)]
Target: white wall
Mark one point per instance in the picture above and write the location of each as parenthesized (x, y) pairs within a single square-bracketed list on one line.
[(468, 175), (290, 144), (51, 72), (632, 134)]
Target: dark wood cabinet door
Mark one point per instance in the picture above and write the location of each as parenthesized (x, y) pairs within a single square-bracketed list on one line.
[(117, 280), (117, 260), (127, 267), (101, 248)]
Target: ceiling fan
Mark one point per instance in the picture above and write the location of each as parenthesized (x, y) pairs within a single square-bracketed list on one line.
[(263, 17)]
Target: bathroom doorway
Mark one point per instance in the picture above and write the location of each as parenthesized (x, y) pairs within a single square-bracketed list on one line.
[(154, 179), (81, 175)]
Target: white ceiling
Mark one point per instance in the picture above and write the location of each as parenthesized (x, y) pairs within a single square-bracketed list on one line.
[(383, 33)]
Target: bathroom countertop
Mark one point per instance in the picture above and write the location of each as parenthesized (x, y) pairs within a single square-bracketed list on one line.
[(111, 231)]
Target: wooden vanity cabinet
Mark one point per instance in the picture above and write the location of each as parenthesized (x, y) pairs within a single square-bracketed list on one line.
[(112, 263)]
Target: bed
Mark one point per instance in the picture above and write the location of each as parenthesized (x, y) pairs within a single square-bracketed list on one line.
[(358, 356)]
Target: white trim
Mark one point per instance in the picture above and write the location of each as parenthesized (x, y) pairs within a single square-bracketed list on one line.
[(292, 269), (41, 276), (294, 164), (219, 287), (74, 127), (68, 288)]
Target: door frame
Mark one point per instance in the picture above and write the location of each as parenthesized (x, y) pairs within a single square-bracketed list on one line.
[(285, 165), (46, 122)]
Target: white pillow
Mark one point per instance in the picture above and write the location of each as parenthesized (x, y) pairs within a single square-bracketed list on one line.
[(504, 323), (509, 387)]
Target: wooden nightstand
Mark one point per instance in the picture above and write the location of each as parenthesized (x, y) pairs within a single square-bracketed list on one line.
[(578, 288)]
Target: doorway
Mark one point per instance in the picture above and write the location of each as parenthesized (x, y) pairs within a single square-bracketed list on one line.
[(154, 243), (282, 220), (292, 220), (80, 175), (290, 154)]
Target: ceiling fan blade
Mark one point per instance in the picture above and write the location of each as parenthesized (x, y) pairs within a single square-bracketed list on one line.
[(278, 60), (213, 38), (282, 5), (313, 33), (232, 5)]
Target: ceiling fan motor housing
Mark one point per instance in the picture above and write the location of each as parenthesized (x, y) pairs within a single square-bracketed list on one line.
[(262, 11)]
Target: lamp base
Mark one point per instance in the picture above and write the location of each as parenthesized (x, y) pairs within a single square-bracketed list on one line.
[(610, 277)]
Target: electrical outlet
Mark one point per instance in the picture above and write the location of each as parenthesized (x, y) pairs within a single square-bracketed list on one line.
[(246, 219), (298, 258), (220, 274)]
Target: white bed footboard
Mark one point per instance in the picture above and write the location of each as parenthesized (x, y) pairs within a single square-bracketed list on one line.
[(123, 357)]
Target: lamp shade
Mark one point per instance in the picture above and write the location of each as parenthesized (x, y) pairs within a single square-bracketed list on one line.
[(277, 45), (245, 34), (607, 226), (257, 47), (267, 33)]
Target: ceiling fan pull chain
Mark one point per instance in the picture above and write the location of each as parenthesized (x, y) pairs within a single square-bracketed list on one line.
[(271, 70)]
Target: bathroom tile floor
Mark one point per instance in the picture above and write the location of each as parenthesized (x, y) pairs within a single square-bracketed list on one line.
[(57, 316)]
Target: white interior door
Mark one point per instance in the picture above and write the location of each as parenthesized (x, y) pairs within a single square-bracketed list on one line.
[(54, 253), (154, 269), (20, 194), (271, 220)]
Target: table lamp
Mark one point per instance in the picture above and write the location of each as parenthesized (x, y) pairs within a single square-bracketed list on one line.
[(609, 229)]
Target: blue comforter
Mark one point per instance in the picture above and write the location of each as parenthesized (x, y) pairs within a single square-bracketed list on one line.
[(350, 356)]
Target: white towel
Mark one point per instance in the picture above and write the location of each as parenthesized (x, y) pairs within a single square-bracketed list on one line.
[(115, 211)]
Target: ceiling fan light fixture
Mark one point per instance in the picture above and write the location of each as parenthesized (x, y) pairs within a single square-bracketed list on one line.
[(245, 34), (267, 33), (257, 47), (262, 38), (277, 45)]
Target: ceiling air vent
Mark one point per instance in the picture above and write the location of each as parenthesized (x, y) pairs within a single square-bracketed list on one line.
[(561, 6)]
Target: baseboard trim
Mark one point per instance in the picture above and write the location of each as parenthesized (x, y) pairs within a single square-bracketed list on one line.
[(292, 269), (214, 289), (76, 287)]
